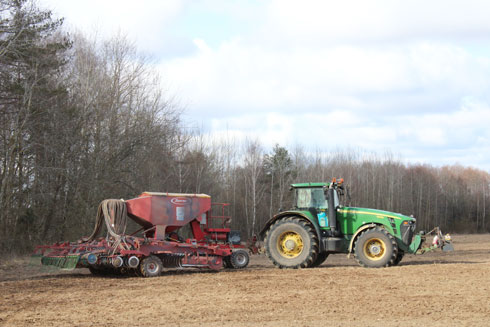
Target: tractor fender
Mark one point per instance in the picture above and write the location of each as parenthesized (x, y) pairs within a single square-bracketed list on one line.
[(288, 214), (360, 230)]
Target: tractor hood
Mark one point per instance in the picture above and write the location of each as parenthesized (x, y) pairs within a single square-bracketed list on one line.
[(352, 219), (374, 213)]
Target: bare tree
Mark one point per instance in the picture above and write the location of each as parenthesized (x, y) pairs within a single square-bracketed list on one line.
[(253, 170)]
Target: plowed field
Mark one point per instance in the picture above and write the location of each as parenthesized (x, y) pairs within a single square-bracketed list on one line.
[(436, 289)]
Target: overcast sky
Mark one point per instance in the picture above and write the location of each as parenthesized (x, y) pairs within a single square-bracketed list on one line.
[(412, 77)]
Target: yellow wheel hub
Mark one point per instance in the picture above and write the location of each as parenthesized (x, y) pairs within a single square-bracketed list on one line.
[(290, 244), (374, 249)]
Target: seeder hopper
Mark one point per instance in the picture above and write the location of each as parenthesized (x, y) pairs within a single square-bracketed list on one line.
[(158, 244)]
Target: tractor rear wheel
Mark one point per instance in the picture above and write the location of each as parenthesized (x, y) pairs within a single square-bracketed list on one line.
[(239, 259), (151, 266), (375, 248), (291, 243), (319, 259)]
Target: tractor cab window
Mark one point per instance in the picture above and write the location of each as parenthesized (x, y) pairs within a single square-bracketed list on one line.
[(311, 197)]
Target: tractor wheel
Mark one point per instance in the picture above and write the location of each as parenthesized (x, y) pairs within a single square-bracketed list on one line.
[(319, 259), (291, 243), (151, 266), (375, 248), (399, 257), (239, 259)]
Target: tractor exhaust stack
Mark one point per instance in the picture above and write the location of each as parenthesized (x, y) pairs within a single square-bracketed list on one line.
[(332, 211)]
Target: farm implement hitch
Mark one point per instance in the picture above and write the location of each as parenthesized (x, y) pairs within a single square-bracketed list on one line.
[(423, 243)]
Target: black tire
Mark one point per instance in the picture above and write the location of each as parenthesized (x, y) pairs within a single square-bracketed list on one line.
[(239, 259), (135, 272), (291, 243), (375, 248), (96, 271), (105, 271), (227, 262), (399, 257), (319, 259), (151, 266)]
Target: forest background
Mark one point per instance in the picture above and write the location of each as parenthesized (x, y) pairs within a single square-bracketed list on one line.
[(84, 119)]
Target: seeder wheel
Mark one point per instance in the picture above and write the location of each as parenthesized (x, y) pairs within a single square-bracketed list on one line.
[(239, 259), (227, 262), (151, 266)]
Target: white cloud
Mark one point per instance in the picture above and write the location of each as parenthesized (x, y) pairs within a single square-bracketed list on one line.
[(245, 77), (411, 76), (294, 23), (143, 21)]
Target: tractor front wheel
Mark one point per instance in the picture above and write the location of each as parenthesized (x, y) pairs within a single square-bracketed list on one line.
[(151, 266), (291, 243), (375, 248)]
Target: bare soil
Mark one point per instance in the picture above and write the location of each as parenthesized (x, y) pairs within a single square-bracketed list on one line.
[(435, 289)]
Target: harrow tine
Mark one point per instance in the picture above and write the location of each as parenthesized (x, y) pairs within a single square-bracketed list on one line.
[(71, 262), (68, 262)]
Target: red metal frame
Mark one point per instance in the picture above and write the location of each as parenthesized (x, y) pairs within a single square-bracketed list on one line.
[(160, 214)]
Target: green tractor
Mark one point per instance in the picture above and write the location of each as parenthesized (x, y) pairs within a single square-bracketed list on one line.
[(318, 225)]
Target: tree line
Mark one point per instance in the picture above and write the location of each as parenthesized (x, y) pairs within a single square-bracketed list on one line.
[(84, 119)]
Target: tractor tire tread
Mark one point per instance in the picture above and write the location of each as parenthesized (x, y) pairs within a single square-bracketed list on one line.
[(393, 256), (399, 257), (321, 257), (306, 226)]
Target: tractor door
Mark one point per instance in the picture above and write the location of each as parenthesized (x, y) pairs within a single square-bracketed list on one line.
[(313, 199)]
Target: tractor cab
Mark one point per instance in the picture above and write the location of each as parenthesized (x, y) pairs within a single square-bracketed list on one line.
[(321, 200), (316, 195)]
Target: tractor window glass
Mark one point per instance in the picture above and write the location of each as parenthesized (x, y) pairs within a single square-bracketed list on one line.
[(308, 198), (318, 199), (303, 198)]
